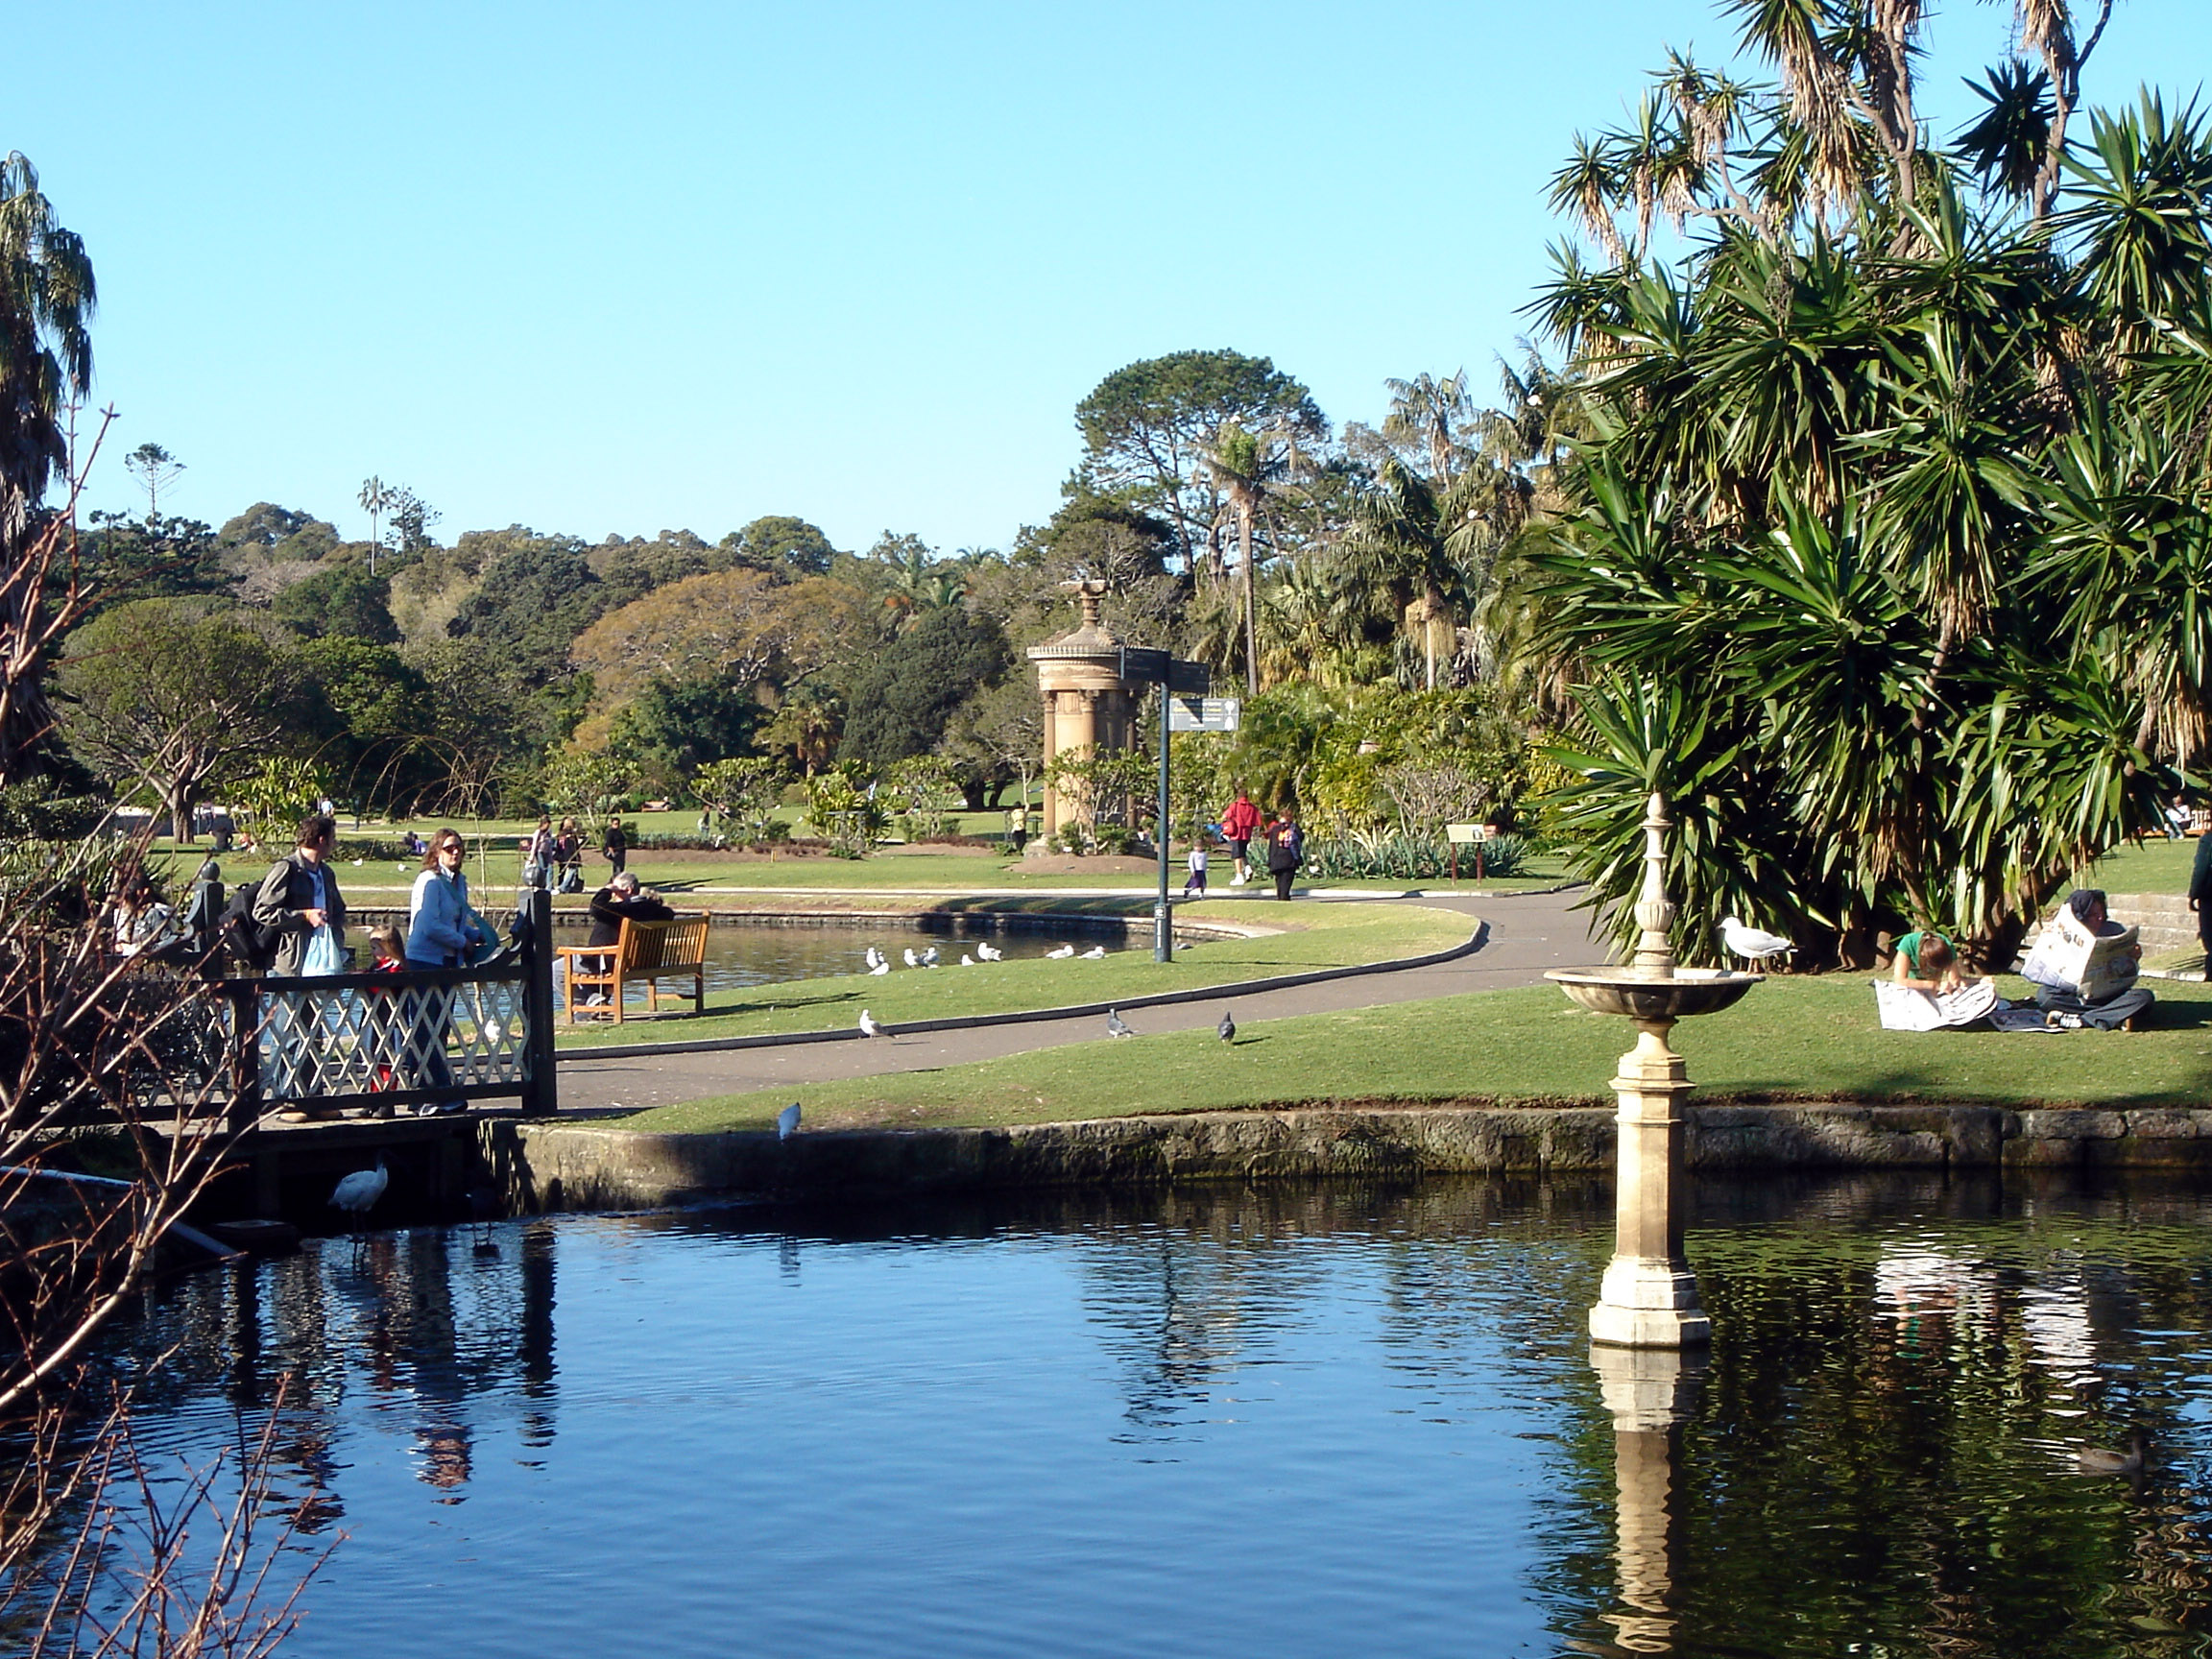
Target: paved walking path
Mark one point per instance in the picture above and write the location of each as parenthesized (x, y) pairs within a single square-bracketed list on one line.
[(1529, 933)]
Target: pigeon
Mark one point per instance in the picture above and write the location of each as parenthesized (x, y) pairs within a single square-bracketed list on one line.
[(966, 960), (912, 960), (1116, 1025), (1227, 1029), (1097, 953), (869, 1026), (880, 970), (788, 1121), (930, 957), (986, 951), (1060, 955), (1750, 944)]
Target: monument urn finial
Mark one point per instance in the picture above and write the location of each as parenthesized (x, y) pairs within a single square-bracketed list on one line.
[(1655, 912)]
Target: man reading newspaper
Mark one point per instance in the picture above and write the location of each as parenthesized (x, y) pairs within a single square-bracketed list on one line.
[(2083, 968)]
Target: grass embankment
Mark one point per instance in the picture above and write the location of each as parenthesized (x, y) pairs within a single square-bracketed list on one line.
[(1790, 1039), (1322, 936)]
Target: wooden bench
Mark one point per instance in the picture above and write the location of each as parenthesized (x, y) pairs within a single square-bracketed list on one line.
[(646, 951)]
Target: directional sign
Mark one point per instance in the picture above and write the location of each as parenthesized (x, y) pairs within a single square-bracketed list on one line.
[(1203, 714)]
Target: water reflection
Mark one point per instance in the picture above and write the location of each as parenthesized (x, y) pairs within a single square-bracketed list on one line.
[(1287, 1420)]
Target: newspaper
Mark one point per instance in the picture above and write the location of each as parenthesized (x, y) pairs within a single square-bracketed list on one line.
[(1904, 1008), (2095, 967)]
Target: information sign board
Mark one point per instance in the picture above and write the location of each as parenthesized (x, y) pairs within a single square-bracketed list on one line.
[(1203, 714)]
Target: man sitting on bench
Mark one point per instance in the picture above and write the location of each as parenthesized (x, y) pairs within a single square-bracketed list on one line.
[(621, 900)]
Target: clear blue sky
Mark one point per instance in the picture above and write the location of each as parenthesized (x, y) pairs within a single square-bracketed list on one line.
[(619, 268)]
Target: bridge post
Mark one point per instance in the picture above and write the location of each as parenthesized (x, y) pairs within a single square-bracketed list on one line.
[(541, 1095), (245, 1058)]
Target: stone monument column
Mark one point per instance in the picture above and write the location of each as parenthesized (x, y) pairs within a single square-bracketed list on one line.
[(1087, 705)]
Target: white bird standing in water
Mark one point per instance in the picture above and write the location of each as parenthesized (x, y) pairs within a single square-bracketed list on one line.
[(788, 1121), (870, 1028), (1750, 943), (357, 1192), (1061, 954)]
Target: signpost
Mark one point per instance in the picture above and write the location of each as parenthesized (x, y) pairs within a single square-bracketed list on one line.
[(1468, 835), (1204, 713), (1180, 683)]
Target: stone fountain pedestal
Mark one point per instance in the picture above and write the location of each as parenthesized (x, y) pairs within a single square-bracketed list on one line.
[(1648, 1298)]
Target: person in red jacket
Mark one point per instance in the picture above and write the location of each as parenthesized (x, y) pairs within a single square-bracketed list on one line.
[(1238, 825)]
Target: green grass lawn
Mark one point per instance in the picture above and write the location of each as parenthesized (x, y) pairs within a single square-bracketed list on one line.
[(1791, 1038), (1324, 936), (2154, 867)]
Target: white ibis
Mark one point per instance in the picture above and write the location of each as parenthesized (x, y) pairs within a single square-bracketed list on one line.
[(357, 1192)]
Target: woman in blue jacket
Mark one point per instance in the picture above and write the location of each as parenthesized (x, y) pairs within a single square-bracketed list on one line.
[(442, 932)]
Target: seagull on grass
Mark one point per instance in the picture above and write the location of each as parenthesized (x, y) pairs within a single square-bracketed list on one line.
[(912, 960), (1116, 1025), (986, 951), (1097, 953), (1061, 954), (875, 957), (869, 1027), (930, 957), (966, 960), (788, 1121), (880, 968), (1751, 943), (1227, 1029)]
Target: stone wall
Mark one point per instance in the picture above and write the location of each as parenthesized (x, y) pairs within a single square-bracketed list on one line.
[(579, 1166)]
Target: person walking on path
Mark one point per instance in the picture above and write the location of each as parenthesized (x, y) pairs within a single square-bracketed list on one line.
[(569, 853), (1195, 881), (2201, 896), (538, 857), (1238, 825), (442, 932), (1018, 827), (615, 845), (1286, 851)]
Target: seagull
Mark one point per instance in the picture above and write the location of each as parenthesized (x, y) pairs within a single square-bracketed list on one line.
[(1116, 1025), (930, 957), (1750, 944), (1063, 953), (966, 960), (788, 1121), (869, 1026), (1097, 953), (912, 960), (989, 952), (361, 1189), (880, 970), (873, 956), (1227, 1029)]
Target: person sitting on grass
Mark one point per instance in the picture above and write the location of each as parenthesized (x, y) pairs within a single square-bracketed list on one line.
[(2120, 1003), (1927, 961)]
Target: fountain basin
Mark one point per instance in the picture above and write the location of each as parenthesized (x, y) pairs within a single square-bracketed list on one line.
[(1689, 990)]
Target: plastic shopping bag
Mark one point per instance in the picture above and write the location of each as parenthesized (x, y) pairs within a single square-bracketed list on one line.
[(322, 954)]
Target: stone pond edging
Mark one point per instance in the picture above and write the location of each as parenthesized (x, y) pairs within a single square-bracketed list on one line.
[(587, 1166), (1027, 1016)]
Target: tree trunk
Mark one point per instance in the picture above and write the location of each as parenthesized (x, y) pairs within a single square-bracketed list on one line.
[(1251, 609)]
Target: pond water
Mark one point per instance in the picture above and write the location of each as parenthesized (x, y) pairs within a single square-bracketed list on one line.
[(739, 953), (1283, 1422)]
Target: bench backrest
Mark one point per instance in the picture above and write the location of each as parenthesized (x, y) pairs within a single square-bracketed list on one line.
[(677, 943)]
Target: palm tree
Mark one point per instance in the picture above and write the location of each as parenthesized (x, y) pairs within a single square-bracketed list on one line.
[(46, 299), (1245, 468)]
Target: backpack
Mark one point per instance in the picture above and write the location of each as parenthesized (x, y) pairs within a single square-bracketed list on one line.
[(247, 940)]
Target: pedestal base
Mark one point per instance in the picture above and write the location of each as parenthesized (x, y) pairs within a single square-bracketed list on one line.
[(1648, 1304)]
